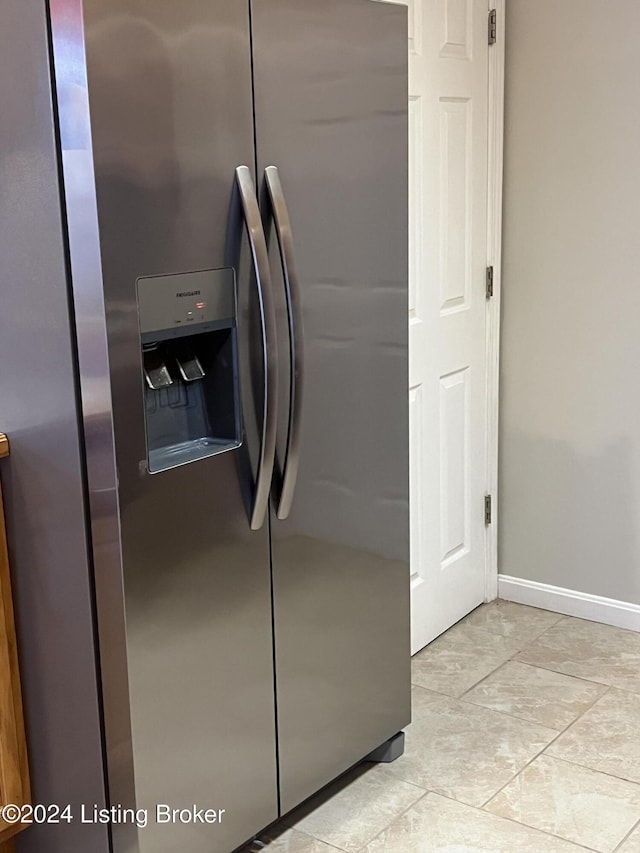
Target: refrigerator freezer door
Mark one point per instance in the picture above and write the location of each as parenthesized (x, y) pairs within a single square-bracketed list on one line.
[(331, 113), (169, 91)]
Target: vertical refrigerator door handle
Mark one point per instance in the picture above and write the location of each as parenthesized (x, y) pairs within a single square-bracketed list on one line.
[(260, 256), (296, 339)]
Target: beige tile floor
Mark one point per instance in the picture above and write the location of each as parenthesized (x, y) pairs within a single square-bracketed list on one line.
[(525, 737)]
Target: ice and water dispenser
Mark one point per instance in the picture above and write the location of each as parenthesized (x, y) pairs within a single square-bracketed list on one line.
[(189, 344)]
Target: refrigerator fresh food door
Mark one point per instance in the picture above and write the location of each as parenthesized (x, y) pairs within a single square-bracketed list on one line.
[(331, 106), (191, 342)]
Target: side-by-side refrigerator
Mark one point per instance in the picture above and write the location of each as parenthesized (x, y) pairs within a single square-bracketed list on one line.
[(206, 309)]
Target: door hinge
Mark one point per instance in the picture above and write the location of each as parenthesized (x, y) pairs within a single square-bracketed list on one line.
[(493, 26), (489, 282), (488, 509)]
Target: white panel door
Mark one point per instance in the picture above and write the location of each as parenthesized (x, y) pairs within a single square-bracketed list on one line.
[(448, 44)]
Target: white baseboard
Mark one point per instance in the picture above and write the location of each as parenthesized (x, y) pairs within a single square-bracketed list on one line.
[(622, 614)]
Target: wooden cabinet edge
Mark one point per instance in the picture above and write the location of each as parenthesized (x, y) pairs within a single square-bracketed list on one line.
[(7, 838), (14, 771)]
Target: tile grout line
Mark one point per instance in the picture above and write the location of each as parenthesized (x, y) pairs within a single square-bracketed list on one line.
[(560, 672), (560, 617), (313, 838), (593, 770), (485, 630), (484, 678), (481, 811), (544, 669), (476, 683), (580, 678), (521, 770), (608, 688), (543, 751), (514, 657), (284, 829), (463, 696), (484, 809), (426, 792), (513, 717), (551, 742), (586, 710), (543, 831), (528, 719), (391, 777), (566, 618), (466, 690), (627, 837)]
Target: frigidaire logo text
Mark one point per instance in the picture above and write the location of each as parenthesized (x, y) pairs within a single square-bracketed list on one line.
[(188, 293)]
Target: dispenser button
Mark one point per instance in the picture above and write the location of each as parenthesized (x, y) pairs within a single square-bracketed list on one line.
[(189, 315)]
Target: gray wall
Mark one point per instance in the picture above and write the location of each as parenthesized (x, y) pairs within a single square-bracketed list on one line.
[(570, 390), (42, 479)]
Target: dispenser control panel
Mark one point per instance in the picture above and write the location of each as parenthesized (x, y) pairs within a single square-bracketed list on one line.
[(172, 306)]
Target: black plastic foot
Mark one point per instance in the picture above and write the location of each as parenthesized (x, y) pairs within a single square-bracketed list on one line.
[(388, 751)]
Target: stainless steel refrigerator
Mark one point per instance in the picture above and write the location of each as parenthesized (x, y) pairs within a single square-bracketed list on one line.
[(204, 345)]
